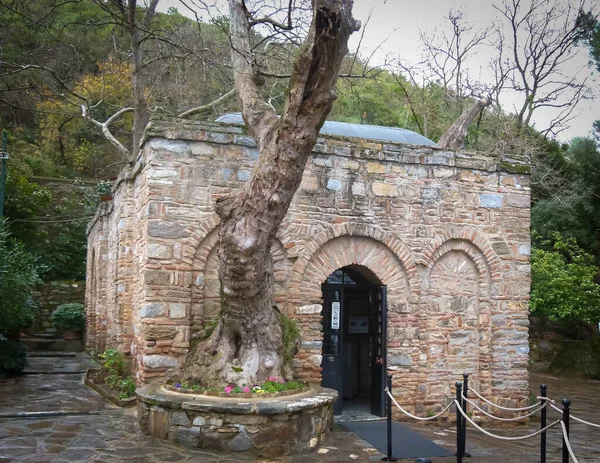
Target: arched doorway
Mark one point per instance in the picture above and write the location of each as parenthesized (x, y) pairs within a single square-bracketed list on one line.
[(354, 339)]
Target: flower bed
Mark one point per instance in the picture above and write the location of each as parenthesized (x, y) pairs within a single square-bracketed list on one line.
[(93, 380), (273, 387), (263, 425)]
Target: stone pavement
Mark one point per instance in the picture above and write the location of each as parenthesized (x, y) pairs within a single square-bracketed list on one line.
[(71, 423)]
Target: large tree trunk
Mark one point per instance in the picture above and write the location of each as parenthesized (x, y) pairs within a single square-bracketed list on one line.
[(247, 347), (454, 137)]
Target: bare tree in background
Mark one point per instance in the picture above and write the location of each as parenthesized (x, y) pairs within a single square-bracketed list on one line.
[(542, 45), (247, 344), (154, 55)]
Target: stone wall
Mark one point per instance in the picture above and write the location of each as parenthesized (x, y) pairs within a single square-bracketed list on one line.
[(446, 232), (51, 294)]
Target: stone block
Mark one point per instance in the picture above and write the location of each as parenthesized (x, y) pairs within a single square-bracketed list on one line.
[(400, 360), (152, 310), (358, 189), (492, 201), (159, 229), (335, 184), (309, 309), (177, 310), (188, 436), (240, 443), (316, 345), (202, 149), (375, 167), (157, 277), (159, 251), (159, 361), (159, 332), (243, 175), (430, 194), (384, 189)]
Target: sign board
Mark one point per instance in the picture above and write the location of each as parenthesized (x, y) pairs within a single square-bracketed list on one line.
[(335, 315)]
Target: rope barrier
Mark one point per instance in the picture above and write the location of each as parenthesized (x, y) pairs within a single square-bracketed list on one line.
[(565, 435), (575, 418), (476, 426), (413, 416), (508, 409), (501, 418)]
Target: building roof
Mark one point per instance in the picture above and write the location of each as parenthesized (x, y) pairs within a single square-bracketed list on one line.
[(346, 129)]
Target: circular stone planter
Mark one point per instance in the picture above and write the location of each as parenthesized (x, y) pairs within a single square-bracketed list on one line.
[(265, 427)]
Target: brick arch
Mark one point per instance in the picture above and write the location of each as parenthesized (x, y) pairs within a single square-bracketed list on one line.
[(456, 296), (205, 296), (470, 241), (309, 272), (473, 253), (197, 240), (396, 247)]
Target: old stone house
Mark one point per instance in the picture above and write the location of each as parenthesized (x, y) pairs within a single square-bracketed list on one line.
[(394, 256)]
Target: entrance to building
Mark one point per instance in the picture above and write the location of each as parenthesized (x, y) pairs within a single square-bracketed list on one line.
[(354, 340)]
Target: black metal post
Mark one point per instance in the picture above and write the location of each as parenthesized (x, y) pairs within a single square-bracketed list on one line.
[(465, 393), (389, 421), (459, 420), (543, 390), (565, 452)]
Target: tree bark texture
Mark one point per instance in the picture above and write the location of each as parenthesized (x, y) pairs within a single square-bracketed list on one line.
[(246, 346), (455, 136)]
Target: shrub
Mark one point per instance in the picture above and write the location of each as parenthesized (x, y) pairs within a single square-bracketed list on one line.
[(18, 276), (69, 317), (112, 370), (563, 285), (13, 357)]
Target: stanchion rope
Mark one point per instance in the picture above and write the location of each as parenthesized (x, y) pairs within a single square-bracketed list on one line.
[(476, 426), (413, 416), (501, 418), (564, 431), (509, 409), (575, 418)]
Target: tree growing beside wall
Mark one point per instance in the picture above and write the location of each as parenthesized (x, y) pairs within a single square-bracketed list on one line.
[(247, 344)]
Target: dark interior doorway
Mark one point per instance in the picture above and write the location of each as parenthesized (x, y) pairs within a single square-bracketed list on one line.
[(354, 338)]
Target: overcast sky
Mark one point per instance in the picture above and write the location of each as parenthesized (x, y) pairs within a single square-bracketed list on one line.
[(397, 23)]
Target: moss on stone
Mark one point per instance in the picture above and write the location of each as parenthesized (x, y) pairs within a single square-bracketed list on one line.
[(579, 358), (514, 167)]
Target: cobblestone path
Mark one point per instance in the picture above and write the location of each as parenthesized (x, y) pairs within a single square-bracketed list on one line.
[(53, 417)]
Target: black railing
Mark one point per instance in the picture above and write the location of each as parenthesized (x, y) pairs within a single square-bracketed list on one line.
[(461, 404)]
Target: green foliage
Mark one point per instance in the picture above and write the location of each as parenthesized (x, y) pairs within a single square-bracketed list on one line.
[(13, 357), (563, 282), (112, 370), (18, 275), (69, 317), (291, 337), (277, 386), (570, 196)]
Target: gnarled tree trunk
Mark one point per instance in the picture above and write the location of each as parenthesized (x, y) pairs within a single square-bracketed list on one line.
[(454, 137), (247, 346)]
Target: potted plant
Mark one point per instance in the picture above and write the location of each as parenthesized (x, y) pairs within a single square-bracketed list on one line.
[(104, 188), (71, 319)]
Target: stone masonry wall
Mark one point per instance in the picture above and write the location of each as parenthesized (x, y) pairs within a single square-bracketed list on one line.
[(51, 294), (447, 232)]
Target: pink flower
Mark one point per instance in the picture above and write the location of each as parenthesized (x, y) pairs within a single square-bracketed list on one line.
[(246, 389), (272, 378), (281, 381), (228, 389)]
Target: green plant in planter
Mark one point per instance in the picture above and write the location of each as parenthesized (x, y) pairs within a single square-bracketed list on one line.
[(112, 370), (104, 188), (69, 317)]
